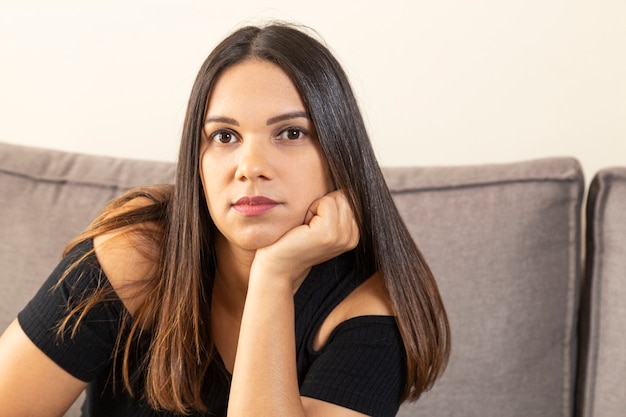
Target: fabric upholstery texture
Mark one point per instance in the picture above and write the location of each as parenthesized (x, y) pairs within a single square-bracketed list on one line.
[(601, 389), (503, 242), (46, 198)]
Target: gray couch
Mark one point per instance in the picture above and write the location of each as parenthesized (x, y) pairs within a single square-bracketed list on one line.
[(535, 333)]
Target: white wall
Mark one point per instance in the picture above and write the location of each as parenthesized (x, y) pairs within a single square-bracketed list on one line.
[(440, 82)]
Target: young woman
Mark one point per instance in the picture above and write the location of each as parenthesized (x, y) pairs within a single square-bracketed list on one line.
[(275, 277)]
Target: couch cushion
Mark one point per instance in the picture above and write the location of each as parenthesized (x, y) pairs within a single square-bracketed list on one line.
[(503, 242), (603, 310), (46, 198)]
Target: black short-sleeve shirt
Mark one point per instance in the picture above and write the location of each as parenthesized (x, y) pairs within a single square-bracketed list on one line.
[(362, 366)]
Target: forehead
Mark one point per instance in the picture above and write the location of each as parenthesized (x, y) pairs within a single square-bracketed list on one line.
[(253, 83)]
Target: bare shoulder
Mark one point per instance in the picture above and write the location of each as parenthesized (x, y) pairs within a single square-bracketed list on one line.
[(368, 299), (128, 257)]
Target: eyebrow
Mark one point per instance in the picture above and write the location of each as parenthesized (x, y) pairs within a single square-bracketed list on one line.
[(287, 116), (219, 119), (270, 121)]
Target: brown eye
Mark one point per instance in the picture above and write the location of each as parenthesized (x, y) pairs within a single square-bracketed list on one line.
[(223, 136), (292, 133)]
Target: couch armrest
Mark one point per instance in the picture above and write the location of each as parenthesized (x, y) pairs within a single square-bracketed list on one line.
[(603, 307)]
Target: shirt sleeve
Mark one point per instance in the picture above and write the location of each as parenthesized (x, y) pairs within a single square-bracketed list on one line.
[(361, 367), (89, 350)]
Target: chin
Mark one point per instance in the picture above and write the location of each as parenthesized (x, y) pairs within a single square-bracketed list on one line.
[(254, 238), (253, 243)]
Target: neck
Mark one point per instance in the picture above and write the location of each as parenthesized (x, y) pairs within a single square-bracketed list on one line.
[(232, 275)]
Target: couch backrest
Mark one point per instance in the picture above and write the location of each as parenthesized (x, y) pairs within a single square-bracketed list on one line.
[(601, 390), (504, 244), (46, 198), (502, 240)]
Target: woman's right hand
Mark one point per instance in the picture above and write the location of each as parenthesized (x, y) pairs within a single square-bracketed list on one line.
[(265, 379), (329, 230)]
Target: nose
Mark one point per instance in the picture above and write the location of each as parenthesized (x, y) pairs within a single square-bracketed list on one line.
[(255, 161)]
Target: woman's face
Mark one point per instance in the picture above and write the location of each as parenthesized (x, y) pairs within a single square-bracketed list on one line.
[(261, 163)]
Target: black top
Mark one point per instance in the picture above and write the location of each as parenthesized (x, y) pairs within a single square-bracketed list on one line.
[(362, 366)]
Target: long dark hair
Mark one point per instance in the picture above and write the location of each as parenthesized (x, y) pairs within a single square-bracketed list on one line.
[(178, 304)]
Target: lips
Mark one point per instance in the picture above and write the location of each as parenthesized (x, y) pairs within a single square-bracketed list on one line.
[(254, 206)]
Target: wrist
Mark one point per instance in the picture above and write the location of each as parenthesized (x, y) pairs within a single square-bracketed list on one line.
[(273, 278)]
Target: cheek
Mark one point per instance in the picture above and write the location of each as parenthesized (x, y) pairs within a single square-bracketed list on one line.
[(204, 177), (316, 180), (329, 183), (325, 178), (209, 183)]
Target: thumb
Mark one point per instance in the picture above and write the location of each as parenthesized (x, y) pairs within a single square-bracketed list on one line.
[(311, 211)]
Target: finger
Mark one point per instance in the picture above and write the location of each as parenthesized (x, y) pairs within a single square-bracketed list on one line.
[(312, 210), (322, 207), (309, 216), (337, 214), (347, 220)]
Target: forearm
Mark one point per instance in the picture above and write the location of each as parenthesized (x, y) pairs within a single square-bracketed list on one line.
[(265, 380)]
